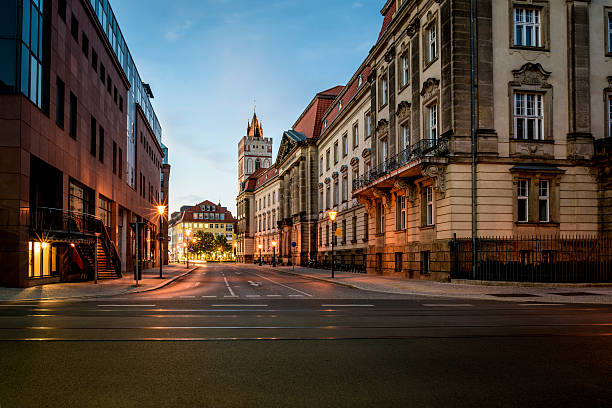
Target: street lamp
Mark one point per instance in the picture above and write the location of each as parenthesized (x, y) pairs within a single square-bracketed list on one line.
[(161, 209), (235, 246), (274, 253), (332, 218), (187, 233), (260, 246)]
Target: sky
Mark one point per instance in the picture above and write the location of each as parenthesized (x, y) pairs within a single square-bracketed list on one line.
[(210, 61)]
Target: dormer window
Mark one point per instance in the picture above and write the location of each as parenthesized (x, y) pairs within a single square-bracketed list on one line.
[(359, 80), (325, 124), (339, 106)]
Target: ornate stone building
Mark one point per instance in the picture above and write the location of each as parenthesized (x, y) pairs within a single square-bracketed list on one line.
[(532, 169), (254, 150)]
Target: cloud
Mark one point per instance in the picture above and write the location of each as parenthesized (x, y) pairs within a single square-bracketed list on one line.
[(178, 30), (357, 4)]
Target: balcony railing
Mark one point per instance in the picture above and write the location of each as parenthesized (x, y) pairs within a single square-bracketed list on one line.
[(422, 148)]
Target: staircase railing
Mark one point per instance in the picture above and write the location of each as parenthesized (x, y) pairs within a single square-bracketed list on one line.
[(110, 249)]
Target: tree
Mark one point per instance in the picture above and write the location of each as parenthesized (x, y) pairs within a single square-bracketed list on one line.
[(221, 242), (205, 242)]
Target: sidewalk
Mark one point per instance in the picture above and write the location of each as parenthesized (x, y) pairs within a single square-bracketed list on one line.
[(108, 287), (560, 293)]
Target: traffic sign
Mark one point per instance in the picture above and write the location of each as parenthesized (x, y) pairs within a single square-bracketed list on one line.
[(338, 232), (294, 244)]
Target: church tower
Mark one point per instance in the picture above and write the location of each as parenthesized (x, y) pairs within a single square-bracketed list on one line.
[(254, 150)]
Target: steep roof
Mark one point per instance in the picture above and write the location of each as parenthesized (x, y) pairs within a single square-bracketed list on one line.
[(254, 128), (309, 122), (187, 214)]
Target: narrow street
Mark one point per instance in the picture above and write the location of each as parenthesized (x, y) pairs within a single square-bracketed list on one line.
[(241, 335)]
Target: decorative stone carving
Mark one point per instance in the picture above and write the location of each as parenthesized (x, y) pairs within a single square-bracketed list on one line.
[(531, 74), (403, 110), (343, 168), (372, 75), (430, 88), (384, 195), (390, 54), (609, 83), (321, 185), (327, 180), (335, 175), (366, 152), (382, 128), (411, 193), (438, 173), (400, 183), (354, 161), (413, 27)]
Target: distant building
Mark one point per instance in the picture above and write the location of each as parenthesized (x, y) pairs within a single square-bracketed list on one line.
[(254, 151), (206, 217), (164, 193)]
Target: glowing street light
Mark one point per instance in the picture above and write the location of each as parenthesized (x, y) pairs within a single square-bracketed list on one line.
[(332, 218), (273, 253), (260, 246)]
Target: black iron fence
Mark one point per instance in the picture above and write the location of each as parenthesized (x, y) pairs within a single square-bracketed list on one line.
[(563, 259), (424, 147)]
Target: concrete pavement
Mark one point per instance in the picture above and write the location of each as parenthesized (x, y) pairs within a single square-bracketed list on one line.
[(108, 287), (553, 293)]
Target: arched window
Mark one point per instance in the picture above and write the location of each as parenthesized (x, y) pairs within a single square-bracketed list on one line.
[(249, 165), (266, 163), (257, 164)]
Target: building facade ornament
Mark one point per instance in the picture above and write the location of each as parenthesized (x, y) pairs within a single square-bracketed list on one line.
[(335, 175), (430, 88), (438, 174), (366, 153), (344, 168), (390, 54), (413, 27), (384, 195), (372, 75), (382, 128), (327, 180), (531, 74), (403, 110), (354, 161)]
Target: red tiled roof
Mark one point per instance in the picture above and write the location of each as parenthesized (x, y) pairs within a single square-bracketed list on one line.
[(309, 122), (187, 215), (388, 12), (266, 176)]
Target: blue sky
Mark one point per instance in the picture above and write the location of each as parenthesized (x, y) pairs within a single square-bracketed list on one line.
[(206, 61)]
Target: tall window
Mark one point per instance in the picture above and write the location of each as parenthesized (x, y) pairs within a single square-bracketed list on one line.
[(384, 90), (73, 116), (105, 211), (335, 192), (544, 200), (101, 144), (344, 145), (523, 200), (368, 125), (33, 28), (527, 27), (433, 122), (528, 116), (429, 206), (336, 152), (355, 135), (321, 200), (343, 232), (345, 187), (321, 167), (93, 138), (610, 116), (327, 154), (405, 78), (354, 228), (380, 218), (432, 45), (401, 212), (59, 102), (383, 152), (327, 197), (404, 136), (366, 226), (327, 235), (609, 36)]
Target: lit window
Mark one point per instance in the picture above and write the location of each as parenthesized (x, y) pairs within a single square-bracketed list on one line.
[(544, 200), (523, 200), (339, 106), (528, 116), (527, 27)]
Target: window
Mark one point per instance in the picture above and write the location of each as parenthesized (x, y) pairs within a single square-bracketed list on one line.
[(384, 152), (327, 159), (405, 76), (528, 116), (85, 45), (109, 84), (404, 136), (61, 9), (523, 200), (609, 34), (610, 116), (101, 145), (544, 201), (355, 135), (344, 145), (94, 60), (336, 152), (345, 188), (335, 192), (321, 167), (354, 228), (380, 218), (359, 80), (401, 213), (120, 163), (368, 125), (105, 211), (327, 235), (432, 42), (327, 197), (102, 73), (321, 200), (93, 139), (343, 232), (60, 89), (527, 27), (366, 227), (429, 206), (383, 92), (74, 28), (432, 126), (398, 262), (339, 106), (121, 104), (73, 116), (425, 262)]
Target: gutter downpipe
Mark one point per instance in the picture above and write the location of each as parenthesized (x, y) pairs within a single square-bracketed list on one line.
[(473, 137)]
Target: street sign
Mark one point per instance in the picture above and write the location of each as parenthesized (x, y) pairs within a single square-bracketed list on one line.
[(294, 244), (338, 232)]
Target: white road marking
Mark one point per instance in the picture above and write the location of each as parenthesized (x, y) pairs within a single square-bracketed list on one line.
[(541, 304), (231, 296), (253, 296), (239, 305), (347, 305), (231, 291), (447, 304), (254, 283), (126, 305), (187, 296), (282, 284), (273, 295), (297, 295), (209, 296)]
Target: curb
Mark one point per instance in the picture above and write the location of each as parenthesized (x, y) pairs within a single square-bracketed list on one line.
[(329, 280), (161, 285), (550, 285)]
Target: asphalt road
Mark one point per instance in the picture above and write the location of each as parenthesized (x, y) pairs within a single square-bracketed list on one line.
[(234, 336)]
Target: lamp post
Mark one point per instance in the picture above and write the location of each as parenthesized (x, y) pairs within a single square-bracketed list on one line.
[(260, 246), (235, 246), (161, 209), (332, 218), (187, 233), (274, 254)]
